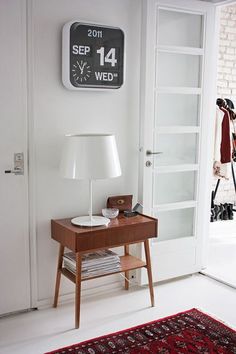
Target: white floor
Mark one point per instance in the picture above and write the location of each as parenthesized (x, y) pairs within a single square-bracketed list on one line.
[(221, 263), (104, 312)]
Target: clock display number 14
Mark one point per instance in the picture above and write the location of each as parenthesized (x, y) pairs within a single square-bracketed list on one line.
[(93, 56), (109, 58)]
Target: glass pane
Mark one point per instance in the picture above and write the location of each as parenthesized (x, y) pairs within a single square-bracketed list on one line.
[(177, 149), (178, 70), (177, 109), (174, 187), (180, 29), (175, 224)]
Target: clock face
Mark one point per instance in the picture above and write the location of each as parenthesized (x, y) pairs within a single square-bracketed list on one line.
[(93, 56), (81, 72)]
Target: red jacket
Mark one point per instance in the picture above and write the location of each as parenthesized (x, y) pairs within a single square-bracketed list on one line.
[(225, 147)]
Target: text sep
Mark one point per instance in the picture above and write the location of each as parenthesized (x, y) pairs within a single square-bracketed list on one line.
[(80, 49)]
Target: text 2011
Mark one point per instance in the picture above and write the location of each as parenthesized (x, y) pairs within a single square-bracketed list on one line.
[(94, 33)]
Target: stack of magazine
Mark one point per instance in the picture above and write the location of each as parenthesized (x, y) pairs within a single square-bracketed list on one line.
[(93, 264)]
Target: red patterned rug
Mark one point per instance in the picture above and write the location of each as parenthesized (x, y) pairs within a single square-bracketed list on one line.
[(186, 332)]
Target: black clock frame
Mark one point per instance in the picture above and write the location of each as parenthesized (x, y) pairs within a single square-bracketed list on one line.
[(93, 56)]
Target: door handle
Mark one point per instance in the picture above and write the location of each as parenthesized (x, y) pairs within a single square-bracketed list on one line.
[(149, 152), (18, 164), (16, 171)]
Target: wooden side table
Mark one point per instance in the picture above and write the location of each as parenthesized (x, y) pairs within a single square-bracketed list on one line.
[(121, 231)]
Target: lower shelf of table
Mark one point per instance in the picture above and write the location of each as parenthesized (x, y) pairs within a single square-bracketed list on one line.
[(128, 262)]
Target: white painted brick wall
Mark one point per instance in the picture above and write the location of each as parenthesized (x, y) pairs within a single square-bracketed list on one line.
[(227, 54), (226, 81)]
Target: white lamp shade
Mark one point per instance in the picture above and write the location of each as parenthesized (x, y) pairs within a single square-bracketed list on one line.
[(90, 156)]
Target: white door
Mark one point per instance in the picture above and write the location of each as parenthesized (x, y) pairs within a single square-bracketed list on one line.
[(178, 106), (14, 233)]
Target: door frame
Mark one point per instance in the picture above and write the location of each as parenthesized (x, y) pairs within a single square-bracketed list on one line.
[(31, 154), (224, 3), (26, 203), (219, 7), (147, 115)]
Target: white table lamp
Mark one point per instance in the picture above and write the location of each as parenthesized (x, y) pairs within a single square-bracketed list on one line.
[(90, 156)]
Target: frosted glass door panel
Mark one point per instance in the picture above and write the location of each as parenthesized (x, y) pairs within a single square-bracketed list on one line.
[(174, 187), (175, 224), (180, 29), (177, 149), (178, 70), (177, 109)]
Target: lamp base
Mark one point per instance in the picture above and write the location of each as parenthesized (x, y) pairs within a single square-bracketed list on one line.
[(86, 221)]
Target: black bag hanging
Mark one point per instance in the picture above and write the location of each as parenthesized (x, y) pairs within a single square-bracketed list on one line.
[(215, 209), (234, 180)]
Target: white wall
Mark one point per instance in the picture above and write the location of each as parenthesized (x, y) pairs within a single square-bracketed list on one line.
[(226, 83), (226, 80), (55, 111)]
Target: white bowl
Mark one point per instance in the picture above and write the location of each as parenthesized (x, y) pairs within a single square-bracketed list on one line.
[(110, 213)]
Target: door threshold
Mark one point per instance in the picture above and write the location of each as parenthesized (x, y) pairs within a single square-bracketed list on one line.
[(220, 280)]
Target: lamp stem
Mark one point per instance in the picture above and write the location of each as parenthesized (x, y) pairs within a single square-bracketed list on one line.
[(90, 199)]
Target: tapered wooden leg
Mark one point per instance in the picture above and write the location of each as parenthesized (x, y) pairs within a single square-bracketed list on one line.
[(78, 289), (149, 271), (127, 272), (58, 278)]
